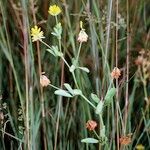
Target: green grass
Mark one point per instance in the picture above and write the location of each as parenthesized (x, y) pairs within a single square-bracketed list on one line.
[(32, 117)]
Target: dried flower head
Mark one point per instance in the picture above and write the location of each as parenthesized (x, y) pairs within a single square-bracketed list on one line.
[(115, 74), (126, 140), (91, 125), (82, 37), (44, 81), (143, 63), (140, 147), (54, 10), (139, 60), (36, 34)]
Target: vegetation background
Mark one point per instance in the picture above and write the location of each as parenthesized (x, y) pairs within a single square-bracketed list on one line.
[(118, 33)]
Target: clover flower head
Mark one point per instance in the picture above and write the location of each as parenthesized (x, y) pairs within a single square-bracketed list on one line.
[(140, 147), (36, 34), (44, 81), (54, 10), (82, 37), (115, 74), (125, 140), (91, 125)]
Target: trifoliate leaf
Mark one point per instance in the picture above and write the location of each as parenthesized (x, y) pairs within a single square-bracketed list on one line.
[(57, 31)]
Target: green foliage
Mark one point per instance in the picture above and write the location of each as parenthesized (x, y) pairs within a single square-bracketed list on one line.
[(35, 117)]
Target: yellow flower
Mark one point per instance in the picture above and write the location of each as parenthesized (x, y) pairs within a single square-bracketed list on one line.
[(36, 33), (54, 10), (140, 147)]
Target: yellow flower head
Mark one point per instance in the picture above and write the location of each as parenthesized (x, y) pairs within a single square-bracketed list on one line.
[(54, 10), (36, 34), (140, 147)]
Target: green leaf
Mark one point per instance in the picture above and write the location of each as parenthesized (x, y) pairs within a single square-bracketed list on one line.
[(50, 51), (74, 62), (84, 69), (68, 87), (77, 92), (89, 140), (99, 107), (57, 31), (54, 50), (109, 96), (102, 131), (95, 98), (62, 93)]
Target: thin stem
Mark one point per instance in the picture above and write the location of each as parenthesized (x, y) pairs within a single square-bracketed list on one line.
[(41, 88), (54, 86), (45, 44), (117, 87), (22, 141), (79, 51), (60, 100), (65, 62), (75, 80), (88, 101), (108, 33), (96, 134), (127, 70)]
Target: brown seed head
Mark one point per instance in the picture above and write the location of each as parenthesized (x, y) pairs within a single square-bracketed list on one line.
[(91, 125), (125, 140), (115, 74)]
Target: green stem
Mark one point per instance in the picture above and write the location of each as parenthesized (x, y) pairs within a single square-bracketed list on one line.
[(54, 86), (75, 80), (45, 44), (87, 101), (96, 134), (65, 62), (77, 59)]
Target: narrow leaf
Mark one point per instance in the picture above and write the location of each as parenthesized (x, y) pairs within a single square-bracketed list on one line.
[(50, 51), (89, 140), (68, 87), (99, 108), (95, 98), (84, 69), (109, 95), (62, 93), (77, 92)]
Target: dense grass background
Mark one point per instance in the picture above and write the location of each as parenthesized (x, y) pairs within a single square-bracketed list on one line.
[(21, 63)]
